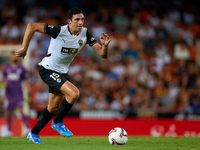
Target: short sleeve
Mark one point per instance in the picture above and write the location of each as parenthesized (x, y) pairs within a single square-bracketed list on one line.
[(24, 73), (52, 30), (90, 39)]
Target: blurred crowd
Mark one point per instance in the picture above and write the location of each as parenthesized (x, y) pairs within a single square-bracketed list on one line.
[(152, 65)]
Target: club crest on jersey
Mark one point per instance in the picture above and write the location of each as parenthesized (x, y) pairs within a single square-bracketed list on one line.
[(51, 26), (80, 42), (58, 80)]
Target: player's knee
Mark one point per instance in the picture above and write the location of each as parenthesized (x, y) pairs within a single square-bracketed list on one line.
[(75, 95)]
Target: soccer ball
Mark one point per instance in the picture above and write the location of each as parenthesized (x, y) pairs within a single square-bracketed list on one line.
[(117, 136)]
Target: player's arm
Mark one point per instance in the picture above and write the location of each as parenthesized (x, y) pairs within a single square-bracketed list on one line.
[(28, 86), (102, 50), (51, 30), (29, 32), (2, 80)]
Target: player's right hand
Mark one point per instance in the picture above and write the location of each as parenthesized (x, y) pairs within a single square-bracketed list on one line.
[(20, 52)]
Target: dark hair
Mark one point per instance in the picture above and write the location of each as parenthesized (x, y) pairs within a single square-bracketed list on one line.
[(73, 11)]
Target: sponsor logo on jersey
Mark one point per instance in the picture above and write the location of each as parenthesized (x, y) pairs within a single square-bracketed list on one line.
[(80, 42), (13, 76), (92, 39), (63, 40), (69, 50), (51, 26)]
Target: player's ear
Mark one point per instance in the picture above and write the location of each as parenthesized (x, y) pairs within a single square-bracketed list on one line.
[(69, 21)]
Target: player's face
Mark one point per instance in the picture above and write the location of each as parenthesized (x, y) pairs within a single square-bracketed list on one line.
[(14, 59), (76, 23)]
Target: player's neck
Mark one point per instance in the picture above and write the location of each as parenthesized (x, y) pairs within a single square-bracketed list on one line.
[(73, 32), (13, 63)]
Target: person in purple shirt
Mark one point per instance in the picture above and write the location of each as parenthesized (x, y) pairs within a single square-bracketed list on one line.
[(13, 75)]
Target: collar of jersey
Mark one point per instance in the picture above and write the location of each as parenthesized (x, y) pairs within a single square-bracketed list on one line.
[(70, 32)]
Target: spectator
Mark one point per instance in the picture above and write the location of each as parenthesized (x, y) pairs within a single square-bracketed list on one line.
[(29, 16), (194, 104), (146, 34), (182, 102), (174, 14), (181, 51), (101, 103), (40, 97), (168, 24), (10, 32), (121, 21), (188, 16), (97, 29), (153, 18)]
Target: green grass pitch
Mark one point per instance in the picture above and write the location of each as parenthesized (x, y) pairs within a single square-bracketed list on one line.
[(101, 143)]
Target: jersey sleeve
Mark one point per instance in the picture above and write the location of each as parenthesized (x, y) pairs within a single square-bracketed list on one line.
[(90, 39), (24, 74), (52, 30)]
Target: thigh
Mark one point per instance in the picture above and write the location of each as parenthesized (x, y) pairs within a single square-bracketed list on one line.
[(53, 79), (11, 105), (19, 104)]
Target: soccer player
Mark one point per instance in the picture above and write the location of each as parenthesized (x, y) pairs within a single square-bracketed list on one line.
[(13, 75), (66, 42)]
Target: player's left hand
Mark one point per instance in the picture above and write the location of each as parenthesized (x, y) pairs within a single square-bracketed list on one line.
[(105, 40)]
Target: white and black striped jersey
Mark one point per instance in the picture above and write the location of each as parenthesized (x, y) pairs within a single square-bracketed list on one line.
[(64, 46)]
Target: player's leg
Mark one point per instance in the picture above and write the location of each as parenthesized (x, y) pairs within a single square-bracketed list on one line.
[(55, 98), (48, 112), (9, 115), (24, 117), (71, 94), (54, 102), (45, 117)]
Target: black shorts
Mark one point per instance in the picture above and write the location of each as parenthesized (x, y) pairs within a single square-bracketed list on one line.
[(53, 79)]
